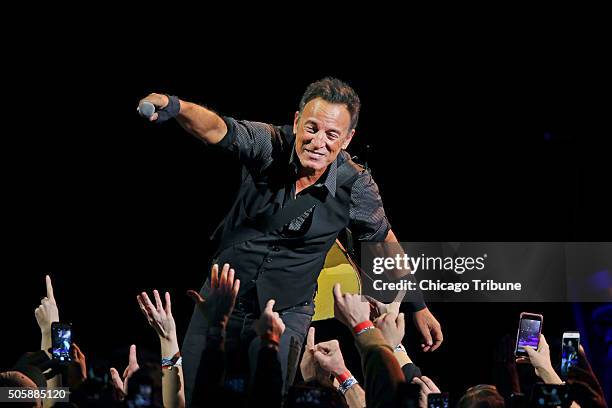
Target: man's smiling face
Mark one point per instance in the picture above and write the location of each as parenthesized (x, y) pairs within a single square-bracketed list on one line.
[(322, 130)]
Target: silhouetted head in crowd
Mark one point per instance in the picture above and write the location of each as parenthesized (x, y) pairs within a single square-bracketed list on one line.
[(94, 392), (481, 396), (145, 387), (16, 378)]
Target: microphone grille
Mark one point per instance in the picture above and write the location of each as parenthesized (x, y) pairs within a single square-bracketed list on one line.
[(146, 109)]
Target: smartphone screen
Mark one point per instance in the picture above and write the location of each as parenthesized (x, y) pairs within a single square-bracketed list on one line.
[(61, 340), (569, 351), (437, 400), (530, 326), (550, 395)]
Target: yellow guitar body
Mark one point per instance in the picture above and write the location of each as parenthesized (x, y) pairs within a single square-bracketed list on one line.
[(338, 268)]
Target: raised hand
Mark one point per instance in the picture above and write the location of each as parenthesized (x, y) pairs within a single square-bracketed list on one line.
[(540, 360), (159, 316), (161, 320), (120, 383), (77, 369), (392, 326), (269, 326), (427, 387), (47, 312), (378, 309), (308, 365), (329, 357), (222, 298), (350, 309)]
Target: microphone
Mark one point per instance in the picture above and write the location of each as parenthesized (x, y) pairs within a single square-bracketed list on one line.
[(146, 109)]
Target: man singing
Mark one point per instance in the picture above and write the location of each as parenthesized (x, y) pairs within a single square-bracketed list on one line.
[(299, 190)]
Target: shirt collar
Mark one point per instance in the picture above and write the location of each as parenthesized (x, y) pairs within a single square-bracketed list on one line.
[(327, 180)]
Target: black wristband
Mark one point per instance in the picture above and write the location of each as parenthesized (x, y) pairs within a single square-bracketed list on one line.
[(170, 111)]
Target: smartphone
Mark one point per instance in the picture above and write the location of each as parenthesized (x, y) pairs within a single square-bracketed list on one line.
[(569, 351), (61, 341), (437, 400), (550, 395), (530, 327)]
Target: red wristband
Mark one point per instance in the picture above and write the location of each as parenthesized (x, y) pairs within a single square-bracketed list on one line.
[(361, 326), (271, 338), (344, 376)]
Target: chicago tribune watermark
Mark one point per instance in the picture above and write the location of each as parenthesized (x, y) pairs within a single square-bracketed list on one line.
[(488, 271)]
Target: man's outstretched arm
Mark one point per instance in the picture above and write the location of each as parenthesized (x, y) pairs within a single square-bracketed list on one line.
[(195, 119)]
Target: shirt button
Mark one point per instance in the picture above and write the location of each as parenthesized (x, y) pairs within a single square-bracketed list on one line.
[(268, 260), (275, 249)]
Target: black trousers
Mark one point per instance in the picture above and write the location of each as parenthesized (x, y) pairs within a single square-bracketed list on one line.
[(242, 344)]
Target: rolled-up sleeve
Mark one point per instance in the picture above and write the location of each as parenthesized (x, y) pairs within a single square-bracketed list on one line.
[(368, 221), (251, 142)]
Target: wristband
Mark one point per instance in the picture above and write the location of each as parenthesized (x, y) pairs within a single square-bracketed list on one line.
[(271, 338), (170, 111), (399, 347), (179, 363), (344, 376), (175, 360), (346, 385), (363, 326)]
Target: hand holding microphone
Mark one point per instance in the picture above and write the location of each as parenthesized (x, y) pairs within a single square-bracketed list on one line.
[(159, 108)]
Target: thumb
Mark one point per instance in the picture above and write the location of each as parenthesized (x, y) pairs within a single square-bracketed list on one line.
[(270, 306), (543, 343), (337, 292), (195, 296), (401, 322)]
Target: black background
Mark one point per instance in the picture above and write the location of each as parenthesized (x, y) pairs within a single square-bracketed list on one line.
[(468, 142)]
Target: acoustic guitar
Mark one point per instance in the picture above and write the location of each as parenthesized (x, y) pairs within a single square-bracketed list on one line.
[(338, 267)]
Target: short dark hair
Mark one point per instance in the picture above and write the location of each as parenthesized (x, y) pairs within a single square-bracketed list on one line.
[(481, 396), (333, 90)]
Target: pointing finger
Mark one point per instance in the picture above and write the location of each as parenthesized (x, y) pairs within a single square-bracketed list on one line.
[(310, 339), (132, 357), (49, 287)]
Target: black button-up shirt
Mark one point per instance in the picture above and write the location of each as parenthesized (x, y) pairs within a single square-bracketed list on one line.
[(284, 264)]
